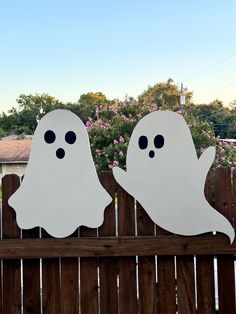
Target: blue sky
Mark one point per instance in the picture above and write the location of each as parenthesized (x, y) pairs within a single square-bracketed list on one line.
[(67, 48)]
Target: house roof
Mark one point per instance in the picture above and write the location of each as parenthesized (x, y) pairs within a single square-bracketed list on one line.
[(14, 151)]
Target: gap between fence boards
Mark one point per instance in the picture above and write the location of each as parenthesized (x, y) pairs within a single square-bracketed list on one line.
[(115, 246)]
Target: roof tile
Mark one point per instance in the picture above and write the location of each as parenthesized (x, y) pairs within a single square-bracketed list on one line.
[(15, 150)]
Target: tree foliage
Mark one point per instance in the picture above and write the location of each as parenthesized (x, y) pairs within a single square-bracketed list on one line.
[(111, 122), (88, 104), (31, 108), (223, 119), (165, 95)]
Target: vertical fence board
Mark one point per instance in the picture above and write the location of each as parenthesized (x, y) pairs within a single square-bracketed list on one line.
[(127, 265), (166, 284), (205, 268), (234, 197), (205, 284), (146, 266), (51, 283), (70, 285), (108, 265), (88, 278), (1, 261), (11, 300), (31, 279), (185, 284), (1, 312), (223, 203)]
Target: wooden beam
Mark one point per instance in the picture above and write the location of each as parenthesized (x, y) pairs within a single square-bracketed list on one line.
[(115, 246)]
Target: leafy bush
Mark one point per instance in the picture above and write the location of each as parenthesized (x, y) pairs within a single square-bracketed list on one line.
[(2, 133), (225, 154), (111, 129)]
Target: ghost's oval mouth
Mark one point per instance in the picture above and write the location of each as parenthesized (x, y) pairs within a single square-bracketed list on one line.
[(60, 153), (151, 154)]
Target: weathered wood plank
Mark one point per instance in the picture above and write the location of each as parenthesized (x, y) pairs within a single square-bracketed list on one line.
[(166, 300), (51, 282), (234, 196), (88, 278), (205, 268), (116, 246), (1, 284), (31, 279), (205, 284), (166, 284), (108, 265), (185, 285), (11, 294), (146, 267), (127, 265), (69, 285), (225, 263)]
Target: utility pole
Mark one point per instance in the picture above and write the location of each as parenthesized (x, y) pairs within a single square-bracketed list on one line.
[(182, 97)]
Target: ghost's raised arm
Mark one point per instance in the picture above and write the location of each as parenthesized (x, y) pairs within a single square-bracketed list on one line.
[(121, 177), (206, 159)]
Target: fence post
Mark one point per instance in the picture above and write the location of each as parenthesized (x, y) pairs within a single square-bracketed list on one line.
[(11, 294), (224, 204)]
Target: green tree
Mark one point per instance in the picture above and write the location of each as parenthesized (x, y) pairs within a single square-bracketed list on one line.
[(31, 108), (166, 95), (223, 119), (89, 103), (2, 133)]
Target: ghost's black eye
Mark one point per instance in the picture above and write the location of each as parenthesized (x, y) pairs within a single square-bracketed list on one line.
[(49, 137), (159, 141), (143, 142), (70, 137)]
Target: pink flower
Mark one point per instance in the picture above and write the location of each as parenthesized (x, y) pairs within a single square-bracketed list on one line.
[(115, 163), (88, 124), (234, 163), (110, 166), (124, 117), (115, 142), (121, 153), (222, 158), (121, 139)]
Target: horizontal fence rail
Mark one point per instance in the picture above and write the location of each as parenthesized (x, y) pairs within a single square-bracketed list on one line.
[(128, 265), (115, 246)]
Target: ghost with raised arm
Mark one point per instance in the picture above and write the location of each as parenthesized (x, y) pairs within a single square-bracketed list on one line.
[(165, 175), (60, 190)]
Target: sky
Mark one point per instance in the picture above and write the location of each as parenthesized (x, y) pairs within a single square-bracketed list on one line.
[(70, 47)]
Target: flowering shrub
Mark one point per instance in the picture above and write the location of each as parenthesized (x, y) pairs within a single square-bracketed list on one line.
[(111, 129), (225, 154)]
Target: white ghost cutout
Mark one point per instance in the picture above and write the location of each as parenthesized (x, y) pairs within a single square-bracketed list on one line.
[(165, 175), (61, 190)]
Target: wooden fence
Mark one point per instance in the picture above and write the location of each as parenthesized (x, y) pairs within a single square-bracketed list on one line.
[(127, 266)]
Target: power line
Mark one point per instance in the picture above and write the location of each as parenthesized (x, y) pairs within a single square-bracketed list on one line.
[(210, 67), (216, 90)]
